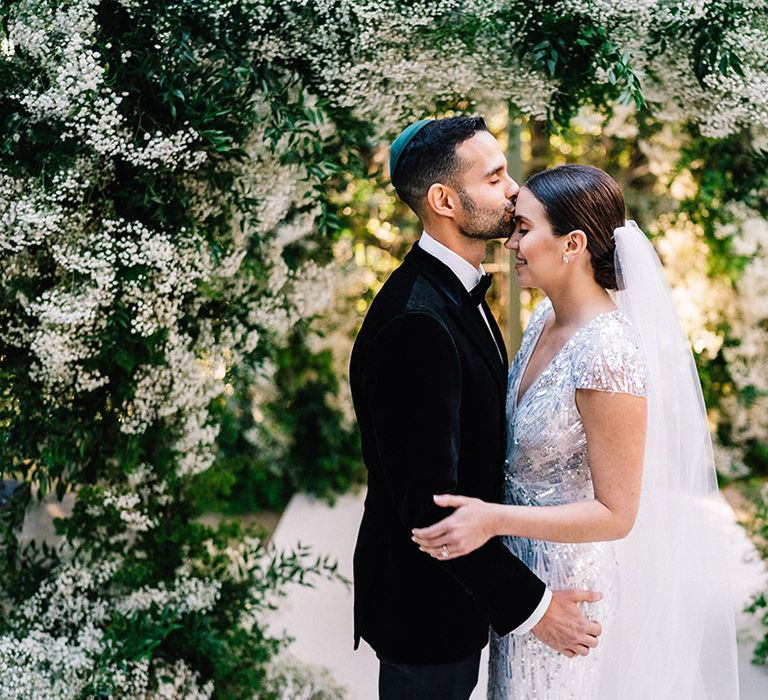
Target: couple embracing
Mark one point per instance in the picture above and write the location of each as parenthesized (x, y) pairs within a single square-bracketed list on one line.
[(561, 505)]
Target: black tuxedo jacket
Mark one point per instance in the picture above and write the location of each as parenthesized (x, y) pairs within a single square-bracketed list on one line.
[(429, 389)]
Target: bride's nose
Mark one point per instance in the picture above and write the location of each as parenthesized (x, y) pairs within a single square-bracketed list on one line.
[(512, 243)]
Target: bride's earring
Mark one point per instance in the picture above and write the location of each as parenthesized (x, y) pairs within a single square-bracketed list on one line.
[(566, 258)]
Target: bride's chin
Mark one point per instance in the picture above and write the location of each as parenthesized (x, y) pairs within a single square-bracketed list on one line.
[(525, 282), (522, 278)]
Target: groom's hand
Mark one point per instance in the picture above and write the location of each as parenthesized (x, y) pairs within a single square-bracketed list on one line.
[(564, 627)]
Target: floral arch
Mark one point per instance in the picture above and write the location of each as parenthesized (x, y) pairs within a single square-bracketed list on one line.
[(168, 173)]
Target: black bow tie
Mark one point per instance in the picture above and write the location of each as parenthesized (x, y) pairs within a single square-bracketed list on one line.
[(477, 293)]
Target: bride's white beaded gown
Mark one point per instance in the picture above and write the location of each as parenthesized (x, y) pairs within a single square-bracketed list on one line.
[(547, 465)]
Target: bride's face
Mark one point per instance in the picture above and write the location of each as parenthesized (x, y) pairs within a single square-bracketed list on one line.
[(538, 252)]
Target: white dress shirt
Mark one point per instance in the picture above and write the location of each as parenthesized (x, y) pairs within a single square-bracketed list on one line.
[(469, 276)]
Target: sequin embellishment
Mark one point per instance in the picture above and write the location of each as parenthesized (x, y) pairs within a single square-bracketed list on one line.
[(547, 465)]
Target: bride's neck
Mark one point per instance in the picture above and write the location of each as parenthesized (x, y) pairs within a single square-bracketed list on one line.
[(576, 304)]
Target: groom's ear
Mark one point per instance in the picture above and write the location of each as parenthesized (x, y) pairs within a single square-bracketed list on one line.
[(442, 200)]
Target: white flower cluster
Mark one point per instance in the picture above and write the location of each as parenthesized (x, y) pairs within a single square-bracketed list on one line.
[(40, 666), (748, 327), (73, 89), (392, 70), (28, 218), (707, 305), (288, 295), (640, 13), (700, 301), (171, 268), (185, 595), (63, 598), (275, 186), (58, 325), (64, 637), (55, 658), (293, 295), (176, 681), (382, 63), (179, 392), (59, 653), (63, 337), (721, 103), (127, 505)]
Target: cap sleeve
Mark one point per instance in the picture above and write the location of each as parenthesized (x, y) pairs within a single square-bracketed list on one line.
[(613, 361)]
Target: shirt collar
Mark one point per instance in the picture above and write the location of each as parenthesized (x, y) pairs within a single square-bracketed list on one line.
[(468, 274)]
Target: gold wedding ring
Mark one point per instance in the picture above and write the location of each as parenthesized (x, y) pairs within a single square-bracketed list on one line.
[(445, 551)]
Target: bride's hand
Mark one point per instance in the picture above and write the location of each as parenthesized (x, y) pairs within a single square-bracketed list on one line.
[(470, 526)]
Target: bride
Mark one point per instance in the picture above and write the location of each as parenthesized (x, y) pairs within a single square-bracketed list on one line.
[(609, 473)]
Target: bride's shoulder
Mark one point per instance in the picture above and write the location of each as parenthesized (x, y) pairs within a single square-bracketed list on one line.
[(611, 333), (613, 328), (609, 356)]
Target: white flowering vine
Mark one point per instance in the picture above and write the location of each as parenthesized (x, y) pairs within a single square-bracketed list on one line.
[(166, 176)]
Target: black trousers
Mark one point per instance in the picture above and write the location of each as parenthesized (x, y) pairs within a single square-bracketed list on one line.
[(453, 681)]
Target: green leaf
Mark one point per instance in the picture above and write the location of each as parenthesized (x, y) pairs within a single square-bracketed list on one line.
[(552, 65)]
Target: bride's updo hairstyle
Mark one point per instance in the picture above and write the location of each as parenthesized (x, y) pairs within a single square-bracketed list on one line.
[(585, 198)]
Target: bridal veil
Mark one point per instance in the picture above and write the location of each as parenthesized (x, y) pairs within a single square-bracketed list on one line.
[(674, 635)]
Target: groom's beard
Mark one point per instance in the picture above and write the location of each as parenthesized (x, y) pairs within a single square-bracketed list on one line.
[(486, 224)]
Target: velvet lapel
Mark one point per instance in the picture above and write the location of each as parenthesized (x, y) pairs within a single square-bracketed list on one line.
[(497, 334), (463, 311)]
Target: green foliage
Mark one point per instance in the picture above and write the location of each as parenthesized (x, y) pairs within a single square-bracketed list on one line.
[(726, 171), (758, 527), (710, 53), (325, 455), (316, 453), (181, 65), (573, 49)]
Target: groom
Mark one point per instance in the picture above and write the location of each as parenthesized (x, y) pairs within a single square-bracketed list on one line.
[(428, 375)]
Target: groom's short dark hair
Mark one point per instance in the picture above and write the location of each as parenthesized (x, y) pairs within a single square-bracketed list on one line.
[(431, 157)]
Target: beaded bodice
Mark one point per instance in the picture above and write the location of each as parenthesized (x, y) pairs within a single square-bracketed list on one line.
[(546, 444)]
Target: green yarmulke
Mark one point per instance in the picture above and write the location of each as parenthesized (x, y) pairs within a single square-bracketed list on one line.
[(399, 144)]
